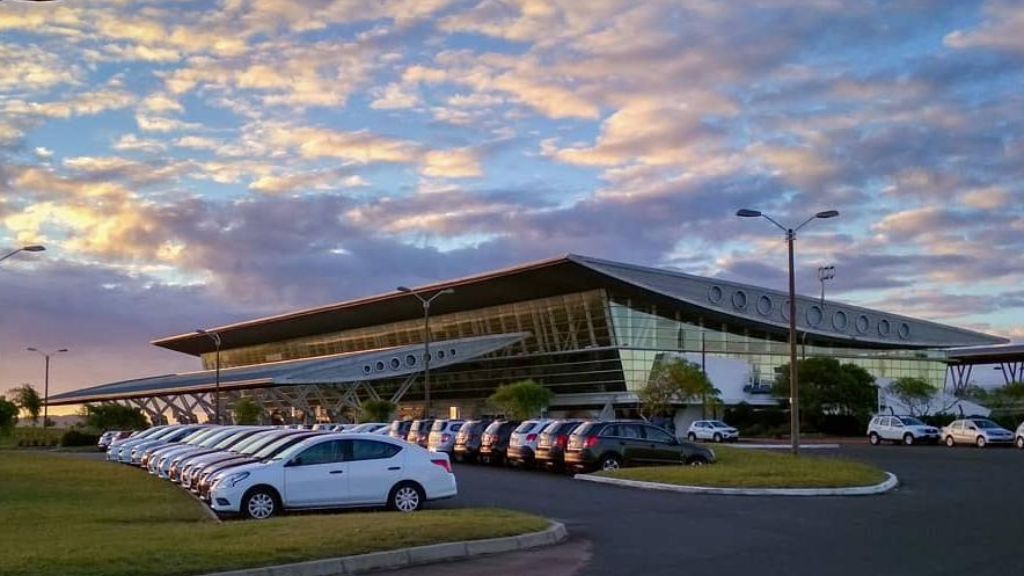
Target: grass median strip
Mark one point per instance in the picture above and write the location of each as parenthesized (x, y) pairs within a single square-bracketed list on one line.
[(64, 515), (746, 468)]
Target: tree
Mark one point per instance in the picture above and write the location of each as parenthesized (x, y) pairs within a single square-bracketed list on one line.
[(520, 400), (247, 411), (915, 393), (376, 411), (675, 382), (828, 388), (113, 417), (8, 415), (26, 397)]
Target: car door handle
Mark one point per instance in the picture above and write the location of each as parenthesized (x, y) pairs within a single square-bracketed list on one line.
[(337, 471), (395, 468)]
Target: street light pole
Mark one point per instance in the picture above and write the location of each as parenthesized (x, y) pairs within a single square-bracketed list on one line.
[(46, 380), (426, 341), (32, 248), (216, 386), (794, 397)]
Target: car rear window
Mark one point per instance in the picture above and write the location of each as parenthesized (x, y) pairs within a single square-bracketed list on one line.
[(568, 427), (525, 427), (438, 425), (584, 428), (553, 427), (456, 426), (494, 427)]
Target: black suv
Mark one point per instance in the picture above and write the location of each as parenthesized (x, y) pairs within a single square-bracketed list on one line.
[(494, 444), (612, 445), (552, 442), (467, 441)]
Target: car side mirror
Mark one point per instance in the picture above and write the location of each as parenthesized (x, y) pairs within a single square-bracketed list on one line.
[(297, 461)]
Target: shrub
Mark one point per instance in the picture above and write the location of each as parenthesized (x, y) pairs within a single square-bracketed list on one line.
[(78, 438)]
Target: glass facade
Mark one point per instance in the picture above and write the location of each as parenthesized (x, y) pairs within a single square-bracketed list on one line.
[(642, 332), (586, 342)]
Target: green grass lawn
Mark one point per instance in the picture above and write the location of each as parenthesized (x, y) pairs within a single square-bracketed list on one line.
[(64, 515), (748, 468)]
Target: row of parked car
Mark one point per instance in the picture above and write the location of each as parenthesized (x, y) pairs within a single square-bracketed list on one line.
[(980, 432), (260, 471), (566, 444)]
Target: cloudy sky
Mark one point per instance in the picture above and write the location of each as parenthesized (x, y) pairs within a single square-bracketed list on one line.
[(193, 162)]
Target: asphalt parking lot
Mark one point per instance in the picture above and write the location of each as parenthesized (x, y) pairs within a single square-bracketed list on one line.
[(959, 511)]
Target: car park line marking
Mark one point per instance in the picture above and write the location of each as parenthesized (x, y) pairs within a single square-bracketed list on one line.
[(890, 483), (555, 533)]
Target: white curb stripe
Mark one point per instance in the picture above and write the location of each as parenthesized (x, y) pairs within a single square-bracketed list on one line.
[(890, 483)]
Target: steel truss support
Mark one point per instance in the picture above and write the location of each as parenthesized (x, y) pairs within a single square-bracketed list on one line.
[(1012, 371), (960, 376)]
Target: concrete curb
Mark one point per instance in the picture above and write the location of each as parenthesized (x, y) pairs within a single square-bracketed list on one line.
[(890, 483), (407, 557)]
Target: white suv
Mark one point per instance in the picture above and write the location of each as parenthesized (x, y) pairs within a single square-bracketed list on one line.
[(714, 430), (905, 429)]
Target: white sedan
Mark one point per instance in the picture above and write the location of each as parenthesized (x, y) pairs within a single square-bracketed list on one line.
[(337, 470)]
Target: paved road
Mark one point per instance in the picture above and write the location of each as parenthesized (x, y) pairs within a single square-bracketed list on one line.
[(959, 512)]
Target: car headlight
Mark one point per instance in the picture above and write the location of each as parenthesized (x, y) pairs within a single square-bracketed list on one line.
[(233, 480)]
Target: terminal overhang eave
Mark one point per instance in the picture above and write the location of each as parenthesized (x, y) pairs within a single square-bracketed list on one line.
[(334, 369), (763, 310)]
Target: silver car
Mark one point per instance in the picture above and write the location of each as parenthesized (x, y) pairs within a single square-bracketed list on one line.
[(442, 435), (978, 431), (1019, 436), (905, 429)]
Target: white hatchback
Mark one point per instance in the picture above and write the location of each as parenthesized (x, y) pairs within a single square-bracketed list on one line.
[(714, 430), (335, 471)]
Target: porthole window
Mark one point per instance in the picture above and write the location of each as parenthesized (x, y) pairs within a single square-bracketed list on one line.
[(367, 369), (814, 315), (395, 364), (440, 354), (764, 305), (451, 352), (884, 327), (715, 294), (379, 366), (904, 331), (410, 360), (862, 324), (840, 321), (785, 310), (739, 300)]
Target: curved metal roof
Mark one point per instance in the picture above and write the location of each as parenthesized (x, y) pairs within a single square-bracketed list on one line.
[(334, 369), (757, 307)]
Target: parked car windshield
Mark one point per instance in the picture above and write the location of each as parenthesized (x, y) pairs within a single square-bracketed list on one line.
[(988, 424), (910, 421), (718, 424)]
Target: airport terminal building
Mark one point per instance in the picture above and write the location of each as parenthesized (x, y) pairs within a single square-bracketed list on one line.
[(589, 329)]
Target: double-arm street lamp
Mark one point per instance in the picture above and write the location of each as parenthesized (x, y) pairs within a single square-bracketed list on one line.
[(46, 380), (794, 399), (33, 248), (426, 340), (216, 386)]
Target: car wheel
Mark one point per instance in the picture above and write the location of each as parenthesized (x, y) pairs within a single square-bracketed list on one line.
[(717, 437), (980, 442), (874, 439), (260, 504), (1020, 442), (908, 439), (697, 461), (406, 497), (610, 462), (950, 442), (691, 437)]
